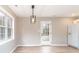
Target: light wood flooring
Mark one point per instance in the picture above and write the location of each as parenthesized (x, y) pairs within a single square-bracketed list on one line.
[(45, 49)]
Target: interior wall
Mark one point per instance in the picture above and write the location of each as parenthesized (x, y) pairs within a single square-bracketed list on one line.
[(29, 34)]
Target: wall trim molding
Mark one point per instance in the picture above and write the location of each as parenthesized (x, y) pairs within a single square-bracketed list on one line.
[(13, 49), (28, 45), (59, 45), (37, 45), (43, 45)]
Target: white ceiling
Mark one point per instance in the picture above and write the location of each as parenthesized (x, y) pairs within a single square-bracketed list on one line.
[(46, 10)]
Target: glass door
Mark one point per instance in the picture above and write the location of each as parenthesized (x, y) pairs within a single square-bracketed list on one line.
[(46, 33)]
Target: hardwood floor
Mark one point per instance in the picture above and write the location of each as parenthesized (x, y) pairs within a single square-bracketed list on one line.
[(45, 49)]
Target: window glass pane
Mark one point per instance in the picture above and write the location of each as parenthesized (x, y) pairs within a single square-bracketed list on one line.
[(1, 21), (9, 22), (5, 27), (1, 18), (2, 33), (9, 32), (4, 21), (2, 29), (2, 36)]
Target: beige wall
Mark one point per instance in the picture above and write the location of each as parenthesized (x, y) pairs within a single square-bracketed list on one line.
[(29, 34)]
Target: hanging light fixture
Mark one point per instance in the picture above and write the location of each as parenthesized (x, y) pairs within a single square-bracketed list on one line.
[(33, 17)]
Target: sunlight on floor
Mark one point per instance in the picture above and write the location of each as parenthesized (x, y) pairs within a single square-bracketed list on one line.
[(45, 49)]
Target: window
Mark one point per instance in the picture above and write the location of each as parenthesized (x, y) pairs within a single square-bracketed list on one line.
[(6, 27)]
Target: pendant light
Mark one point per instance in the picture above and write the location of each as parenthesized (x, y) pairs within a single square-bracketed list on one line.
[(32, 17)]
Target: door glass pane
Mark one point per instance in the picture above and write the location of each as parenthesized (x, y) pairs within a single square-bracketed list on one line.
[(45, 31)]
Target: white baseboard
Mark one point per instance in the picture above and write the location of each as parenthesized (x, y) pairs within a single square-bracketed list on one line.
[(37, 45), (13, 48), (59, 45), (50, 45), (29, 45)]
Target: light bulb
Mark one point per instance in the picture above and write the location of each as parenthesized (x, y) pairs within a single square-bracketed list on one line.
[(33, 20)]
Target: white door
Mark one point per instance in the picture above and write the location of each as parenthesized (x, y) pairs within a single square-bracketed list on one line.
[(69, 34), (73, 35), (46, 32)]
